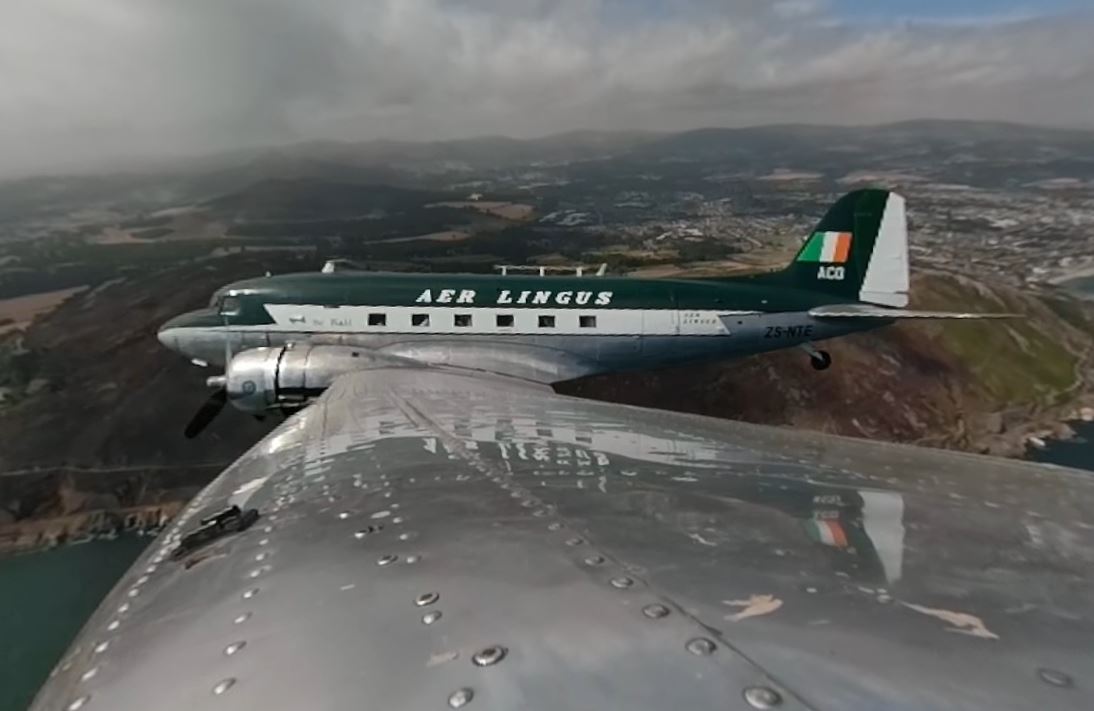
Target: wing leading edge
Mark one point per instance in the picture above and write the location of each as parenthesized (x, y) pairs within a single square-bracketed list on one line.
[(431, 539)]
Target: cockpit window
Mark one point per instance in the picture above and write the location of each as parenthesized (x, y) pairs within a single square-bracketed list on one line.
[(230, 305)]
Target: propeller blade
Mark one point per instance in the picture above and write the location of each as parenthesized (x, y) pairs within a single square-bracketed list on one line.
[(206, 413), (227, 344)]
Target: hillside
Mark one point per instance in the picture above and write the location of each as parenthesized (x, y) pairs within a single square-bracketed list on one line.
[(975, 386)]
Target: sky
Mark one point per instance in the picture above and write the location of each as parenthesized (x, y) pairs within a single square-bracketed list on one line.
[(107, 84), (949, 9)]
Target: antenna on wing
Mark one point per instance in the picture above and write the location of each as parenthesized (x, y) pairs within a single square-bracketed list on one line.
[(342, 265), (547, 269)]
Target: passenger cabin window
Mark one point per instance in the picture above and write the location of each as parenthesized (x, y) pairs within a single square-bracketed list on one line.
[(419, 319), (377, 319), (586, 321), (546, 321), (461, 320), (505, 320), (230, 305)]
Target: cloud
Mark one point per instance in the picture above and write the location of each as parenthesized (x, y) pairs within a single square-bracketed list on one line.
[(101, 84)]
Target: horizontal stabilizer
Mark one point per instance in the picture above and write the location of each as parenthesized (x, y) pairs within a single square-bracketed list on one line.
[(835, 311)]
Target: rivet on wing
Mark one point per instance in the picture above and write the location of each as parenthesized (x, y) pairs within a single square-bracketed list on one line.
[(79, 703), (489, 656), (701, 646), (223, 685), (460, 698), (762, 697)]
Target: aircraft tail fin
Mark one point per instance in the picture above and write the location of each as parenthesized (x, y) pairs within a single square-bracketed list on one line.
[(859, 251)]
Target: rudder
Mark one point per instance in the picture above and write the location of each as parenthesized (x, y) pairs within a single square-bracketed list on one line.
[(859, 251)]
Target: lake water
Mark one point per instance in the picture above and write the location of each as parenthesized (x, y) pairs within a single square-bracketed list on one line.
[(44, 600), (1076, 452), (1085, 284)]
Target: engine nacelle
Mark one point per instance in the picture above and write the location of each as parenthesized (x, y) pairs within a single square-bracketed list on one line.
[(263, 379)]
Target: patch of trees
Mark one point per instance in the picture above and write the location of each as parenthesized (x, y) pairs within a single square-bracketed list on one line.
[(152, 232), (301, 199), (417, 222), (144, 222), (705, 251)]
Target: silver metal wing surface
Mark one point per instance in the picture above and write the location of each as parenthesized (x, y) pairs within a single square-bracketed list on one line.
[(428, 539)]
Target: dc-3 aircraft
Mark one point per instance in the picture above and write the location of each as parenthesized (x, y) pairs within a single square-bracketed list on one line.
[(851, 274), (439, 529)]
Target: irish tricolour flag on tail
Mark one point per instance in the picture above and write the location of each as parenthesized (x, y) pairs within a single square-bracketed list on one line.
[(828, 531), (830, 247)]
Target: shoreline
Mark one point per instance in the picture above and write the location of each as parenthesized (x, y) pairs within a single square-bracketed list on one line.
[(1076, 274), (1066, 451), (40, 534), (1055, 424)]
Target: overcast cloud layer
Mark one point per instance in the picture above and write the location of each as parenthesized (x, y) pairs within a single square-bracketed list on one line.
[(104, 83)]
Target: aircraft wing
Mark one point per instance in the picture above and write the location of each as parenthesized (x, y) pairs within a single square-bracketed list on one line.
[(851, 311), (429, 539)]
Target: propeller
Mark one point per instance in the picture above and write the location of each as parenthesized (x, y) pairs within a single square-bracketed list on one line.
[(206, 413), (212, 407), (227, 343)]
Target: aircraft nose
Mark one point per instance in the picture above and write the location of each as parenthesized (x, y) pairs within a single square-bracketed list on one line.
[(171, 333), (194, 336), (168, 336)]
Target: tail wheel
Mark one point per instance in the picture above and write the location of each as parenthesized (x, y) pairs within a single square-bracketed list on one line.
[(821, 361)]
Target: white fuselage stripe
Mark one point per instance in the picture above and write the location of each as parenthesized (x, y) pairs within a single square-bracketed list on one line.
[(479, 320)]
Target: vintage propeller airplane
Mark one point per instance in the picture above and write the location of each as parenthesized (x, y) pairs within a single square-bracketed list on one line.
[(851, 274), (439, 529)]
